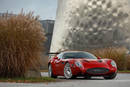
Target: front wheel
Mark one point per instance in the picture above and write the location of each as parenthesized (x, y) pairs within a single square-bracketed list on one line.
[(67, 71), (110, 76), (50, 72)]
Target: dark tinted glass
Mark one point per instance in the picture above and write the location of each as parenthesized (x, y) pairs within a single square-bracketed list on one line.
[(76, 55)]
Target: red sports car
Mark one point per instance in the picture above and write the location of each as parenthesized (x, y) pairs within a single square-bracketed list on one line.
[(71, 64)]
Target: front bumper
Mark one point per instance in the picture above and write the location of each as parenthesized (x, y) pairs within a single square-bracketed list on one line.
[(96, 71)]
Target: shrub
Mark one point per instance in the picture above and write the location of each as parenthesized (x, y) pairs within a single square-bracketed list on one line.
[(21, 44), (117, 54), (128, 62)]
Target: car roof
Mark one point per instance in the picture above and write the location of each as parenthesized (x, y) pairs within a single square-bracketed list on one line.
[(72, 51)]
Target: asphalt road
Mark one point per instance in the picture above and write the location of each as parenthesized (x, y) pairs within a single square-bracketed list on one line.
[(122, 80)]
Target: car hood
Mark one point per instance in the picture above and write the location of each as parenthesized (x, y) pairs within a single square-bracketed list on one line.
[(93, 63)]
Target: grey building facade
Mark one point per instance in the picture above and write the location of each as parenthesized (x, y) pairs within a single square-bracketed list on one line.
[(90, 24), (48, 26)]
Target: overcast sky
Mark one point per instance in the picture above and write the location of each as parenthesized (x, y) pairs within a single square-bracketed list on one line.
[(45, 8)]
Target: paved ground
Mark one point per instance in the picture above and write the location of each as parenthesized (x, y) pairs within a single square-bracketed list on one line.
[(122, 80)]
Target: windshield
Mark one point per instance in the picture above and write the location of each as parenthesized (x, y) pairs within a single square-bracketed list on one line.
[(76, 55)]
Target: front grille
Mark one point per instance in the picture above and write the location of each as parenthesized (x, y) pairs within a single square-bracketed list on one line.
[(97, 70)]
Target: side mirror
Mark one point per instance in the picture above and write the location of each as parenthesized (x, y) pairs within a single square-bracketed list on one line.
[(99, 57), (55, 57)]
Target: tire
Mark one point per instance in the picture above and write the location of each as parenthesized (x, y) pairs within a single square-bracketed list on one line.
[(68, 72), (110, 76), (87, 77), (50, 72)]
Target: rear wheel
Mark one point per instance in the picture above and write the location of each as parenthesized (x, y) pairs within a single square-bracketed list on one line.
[(87, 77), (50, 72), (110, 76), (68, 72)]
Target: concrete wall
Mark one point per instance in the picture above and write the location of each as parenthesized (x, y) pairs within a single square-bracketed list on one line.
[(59, 28)]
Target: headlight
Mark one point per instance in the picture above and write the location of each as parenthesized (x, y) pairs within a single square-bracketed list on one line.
[(78, 64), (113, 63)]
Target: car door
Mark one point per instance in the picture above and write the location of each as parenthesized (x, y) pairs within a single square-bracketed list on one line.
[(59, 64)]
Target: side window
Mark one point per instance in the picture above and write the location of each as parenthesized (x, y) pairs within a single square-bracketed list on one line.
[(60, 55)]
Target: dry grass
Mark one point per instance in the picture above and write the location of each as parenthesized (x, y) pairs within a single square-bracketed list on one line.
[(28, 80), (117, 54), (128, 62), (21, 44)]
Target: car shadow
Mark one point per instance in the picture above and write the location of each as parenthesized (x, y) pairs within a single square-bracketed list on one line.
[(82, 78)]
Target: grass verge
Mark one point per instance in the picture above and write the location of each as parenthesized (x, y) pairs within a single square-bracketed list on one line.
[(28, 80), (126, 71)]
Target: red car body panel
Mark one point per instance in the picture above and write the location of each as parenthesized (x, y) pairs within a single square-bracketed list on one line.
[(58, 66)]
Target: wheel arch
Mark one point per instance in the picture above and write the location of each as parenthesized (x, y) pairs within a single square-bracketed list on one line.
[(49, 64), (66, 62)]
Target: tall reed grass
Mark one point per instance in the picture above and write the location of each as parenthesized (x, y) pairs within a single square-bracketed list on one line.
[(117, 54), (21, 44)]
